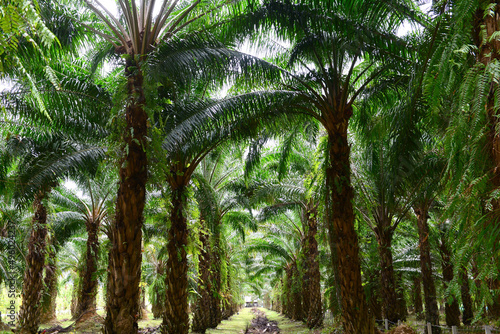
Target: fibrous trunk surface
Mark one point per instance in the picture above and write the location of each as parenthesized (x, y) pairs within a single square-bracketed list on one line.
[(356, 318), (176, 319), (124, 268)]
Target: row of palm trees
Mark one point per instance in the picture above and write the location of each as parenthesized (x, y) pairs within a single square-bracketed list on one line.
[(343, 66)]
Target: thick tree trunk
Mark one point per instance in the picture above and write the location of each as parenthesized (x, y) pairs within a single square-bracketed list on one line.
[(417, 298), (29, 312), (431, 309), (468, 313), (88, 286), (202, 306), (356, 318), (314, 309), (452, 310), (124, 268), (387, 281), (176, 319), (48, 311)]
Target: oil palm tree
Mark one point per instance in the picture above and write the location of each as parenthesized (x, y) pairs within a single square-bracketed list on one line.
[(279, 243), (45, 150), (328, 39), (385, 199), (41, 164), (219, 212), (92, 210), (140, 29), (199, 125)]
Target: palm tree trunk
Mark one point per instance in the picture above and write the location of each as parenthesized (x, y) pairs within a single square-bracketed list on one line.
[(202, 306), (417, 297), (468, 313), (176, 319), (88, 286), (314, 309), (124, 269), (452, 310), (29, 312), (431, 309), (356, 318), (48, 311), (387, 281)]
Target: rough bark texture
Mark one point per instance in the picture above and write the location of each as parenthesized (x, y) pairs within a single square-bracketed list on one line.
[(88, 286), (48, 310), (431, 309), (124, 268), (202, 306), (29, 312), (383, 233), (452, 310), (468, 313), (417, 298), (356, 318), (314, 308), (176, 319)]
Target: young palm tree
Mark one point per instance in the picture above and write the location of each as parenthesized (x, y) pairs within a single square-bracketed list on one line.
[(92, 211)]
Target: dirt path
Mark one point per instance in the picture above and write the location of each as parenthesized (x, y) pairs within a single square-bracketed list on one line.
[(260, 324)]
